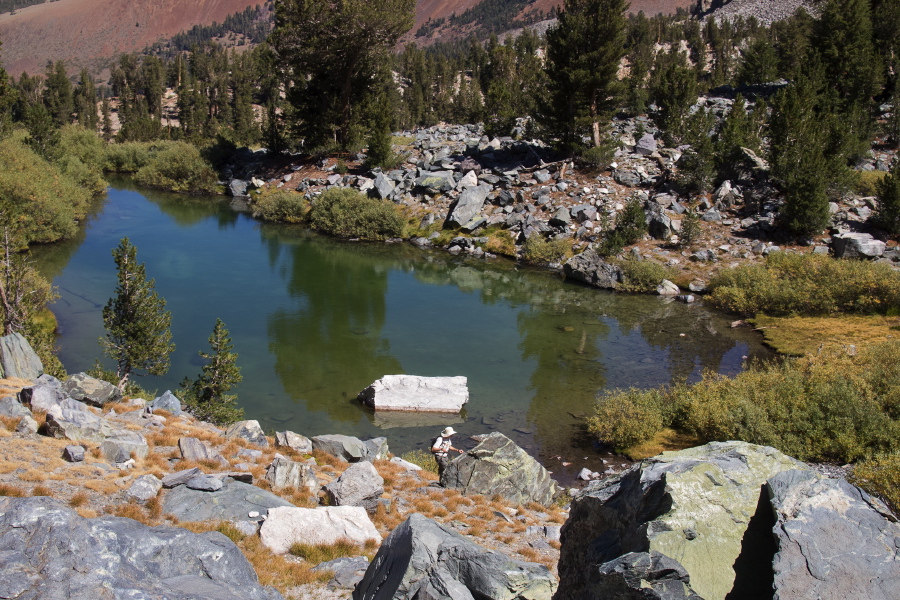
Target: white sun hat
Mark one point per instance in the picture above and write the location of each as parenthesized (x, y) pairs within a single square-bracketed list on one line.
[(447, 432)]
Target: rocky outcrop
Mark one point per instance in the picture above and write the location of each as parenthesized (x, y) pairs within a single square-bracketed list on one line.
[(233, 502), (359, 485), (250, 431), (48, 551), (285, 526), (417, 394), (284, 473), (834, 540), (699, 524), (425, 560), (18, 359), (588, 267), (294, 441), (168, 402), (498, 466), (856, 245), (351, 449)]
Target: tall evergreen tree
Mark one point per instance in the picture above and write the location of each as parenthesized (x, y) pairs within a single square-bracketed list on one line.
[(207, 396), (58, 94), (136, 320), (330, 51), (843, 39), (584, 51)]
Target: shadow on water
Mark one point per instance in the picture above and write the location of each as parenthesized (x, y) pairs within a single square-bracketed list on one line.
[(315, 320)]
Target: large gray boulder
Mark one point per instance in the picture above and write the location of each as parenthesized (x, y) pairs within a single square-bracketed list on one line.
[(168, 402), (590, 268), (43, 395), (856, 245), (359, 485), (834, 540), (233, 502), (694, 506), (422, 559), (18, 359), (73, 420), (284, 473), (417, 394), (351, 449), (296, 442), (498, 466), (248, 430), (144, 488), (87, 389), (436, 182), (123, 445), (469, 204), (286, 526), (48, 551), (10, 407), (192, 448)]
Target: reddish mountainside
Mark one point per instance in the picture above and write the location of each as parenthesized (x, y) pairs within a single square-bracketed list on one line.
[(89, 32)]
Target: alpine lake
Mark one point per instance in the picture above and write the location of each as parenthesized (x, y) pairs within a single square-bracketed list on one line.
[(315, 320)]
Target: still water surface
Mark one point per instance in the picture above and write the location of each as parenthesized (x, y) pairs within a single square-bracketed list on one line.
[(315, 320)]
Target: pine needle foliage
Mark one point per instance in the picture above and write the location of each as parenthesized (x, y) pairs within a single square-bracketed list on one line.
[(136, 320)]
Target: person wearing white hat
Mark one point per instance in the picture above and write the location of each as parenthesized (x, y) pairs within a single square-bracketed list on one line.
[(441, 448)]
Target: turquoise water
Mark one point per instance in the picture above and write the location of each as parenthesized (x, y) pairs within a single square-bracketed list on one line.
[(315, 320)]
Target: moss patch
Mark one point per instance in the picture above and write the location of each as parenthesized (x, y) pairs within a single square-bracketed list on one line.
[(798, 336)]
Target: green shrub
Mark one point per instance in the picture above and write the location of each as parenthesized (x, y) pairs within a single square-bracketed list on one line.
[(178, 168), (642, 275), (866, 183), (631, 225), (828, 407), (423, 458), (541, 251), (599, 157), (690, 229), (287, 207), (880, 476), (127, 157), (806, 284), (627, 418), (43, 201), (347, 213), (888, 190)]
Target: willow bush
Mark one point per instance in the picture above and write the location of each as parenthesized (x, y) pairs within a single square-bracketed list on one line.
[(807, 284), (829, 407), (344, 212)]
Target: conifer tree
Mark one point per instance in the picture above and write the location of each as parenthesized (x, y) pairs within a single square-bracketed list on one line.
[(843, 39), (583, 55), (136, 320), (888, 213), (207, 396)]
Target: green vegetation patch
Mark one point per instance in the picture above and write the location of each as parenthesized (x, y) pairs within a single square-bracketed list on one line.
[(643, 275), (797, 336), (284, 207), (830, 406), (347, 213), (178, 168), (807, 284), (880, 476), (541, 251)]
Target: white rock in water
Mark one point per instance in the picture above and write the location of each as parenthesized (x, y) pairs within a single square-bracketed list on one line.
[(286, 525), (414, 393)]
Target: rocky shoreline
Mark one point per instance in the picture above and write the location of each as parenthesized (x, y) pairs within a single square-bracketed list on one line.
[(456, 178)]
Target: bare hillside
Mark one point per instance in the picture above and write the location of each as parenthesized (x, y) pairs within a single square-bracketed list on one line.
[(87, 33)]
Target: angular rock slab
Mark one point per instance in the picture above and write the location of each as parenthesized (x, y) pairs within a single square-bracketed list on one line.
[(143, 489), (590, 268), (284, 473), (123, 445), (168, 402), (74, 421), (351, 449), (498, 466), (693, 506), (10, 407), (417, 394), (359, 485), (48, 551), (286, 526), (18, 359), (834, 540), (43, 395), (248, 430), (294, 441), (231, 503), (856, 245), (423, 559), (87, 389), (469, 204)]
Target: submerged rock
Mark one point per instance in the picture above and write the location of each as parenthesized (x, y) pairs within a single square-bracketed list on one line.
[(590, 268)]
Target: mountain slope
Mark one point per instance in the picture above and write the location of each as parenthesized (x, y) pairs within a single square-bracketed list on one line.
[(87, 33)]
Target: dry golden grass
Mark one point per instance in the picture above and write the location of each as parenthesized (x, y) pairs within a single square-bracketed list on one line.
[(154, 508), (536, 507), (507, 539), (162, 438), (12, 385), (41, 490), (87, 513), (665, 440), (32, 475), (9, 423), (325, 459), (530, 554), (440, 512), (454, 504), (519, 527), (555, 544), (475, 530), (132, 511), (799, 336), (483, 512), (78, 499), (384, 520), (424, 506), (101, 486), (12, 491), (557, 516)]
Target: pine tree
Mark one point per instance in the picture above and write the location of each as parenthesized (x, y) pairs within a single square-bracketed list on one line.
[(843, 39), (136, 320), (58, 94), (584, 51), (207, 396), (330, 52), (888, 189)]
